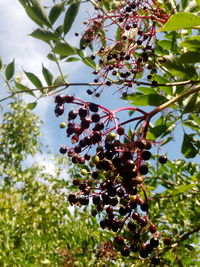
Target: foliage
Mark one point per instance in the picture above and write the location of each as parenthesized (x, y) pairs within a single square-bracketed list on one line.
[(160, 72)]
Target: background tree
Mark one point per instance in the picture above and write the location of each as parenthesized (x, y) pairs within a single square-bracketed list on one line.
[(156, 71)]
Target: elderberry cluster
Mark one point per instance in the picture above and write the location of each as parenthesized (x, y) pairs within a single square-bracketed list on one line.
[(126, 34), (113, 172)]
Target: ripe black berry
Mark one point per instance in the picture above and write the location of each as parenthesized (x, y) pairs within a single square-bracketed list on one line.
[(162, 159), (93, 107), (146, 155), (63, 150), (95, 117), (82, 112), (125, 252), (143, 169), (155, 260)]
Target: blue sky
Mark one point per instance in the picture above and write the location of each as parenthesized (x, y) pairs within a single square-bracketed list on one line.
[(30, 54)]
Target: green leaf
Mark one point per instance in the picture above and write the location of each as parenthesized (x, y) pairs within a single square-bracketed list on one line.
[(70, 16), (36, 12), (58, 80), (189, 57), (119, 32), (146, 90), (181, 20), (10, 69), (180, 189), (72, 59), (162, 80), (195, 118), (89, 62), (180, 70), (1, 64), (64, 49), (191, 104), (51, 57), (32, 105), (188, 149), (47, 75), (24, 88), (44, 35), (147, 100), (55, 12), (158, 130), (192, 43), (198, 2), (34, 79)]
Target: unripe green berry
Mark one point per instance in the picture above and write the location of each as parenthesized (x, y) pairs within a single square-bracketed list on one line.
[(95, 159), (84, 172)]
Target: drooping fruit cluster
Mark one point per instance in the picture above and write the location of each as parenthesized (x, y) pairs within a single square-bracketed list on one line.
[(113, 172), (126, 35)]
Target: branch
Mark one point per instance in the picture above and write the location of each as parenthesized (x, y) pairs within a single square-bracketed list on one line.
[(181, 239), (49, 88), (102, 83)]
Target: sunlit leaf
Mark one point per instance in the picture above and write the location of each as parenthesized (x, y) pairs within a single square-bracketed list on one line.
[(70, 16), (10, 69), (181, 20)]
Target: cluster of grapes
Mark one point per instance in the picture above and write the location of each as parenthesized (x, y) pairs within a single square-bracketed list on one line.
[(124, 56), (113, 172)]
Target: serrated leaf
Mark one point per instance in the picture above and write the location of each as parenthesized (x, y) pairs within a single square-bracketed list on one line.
[(180, 189), (36, 12), (70, 16), (64, 49), (89, 62), (196, 118), (51, 57), (188, 149), (58, 80), (162, 80), (24, 88), (192, 125), (181, 20), (10, 69), (180, 70), (146, 90), (34, 79), (72, 59), (55, 12), (44, 35), (147, 100), (189, 57), (32, 105), (47, 76), (191, 104), (192, 43)]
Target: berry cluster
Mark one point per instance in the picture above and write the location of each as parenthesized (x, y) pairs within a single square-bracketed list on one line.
[(126, 35), (112, 174)]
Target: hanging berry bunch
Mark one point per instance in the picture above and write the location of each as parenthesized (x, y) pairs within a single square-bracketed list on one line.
[(113, 171), (124, 39)]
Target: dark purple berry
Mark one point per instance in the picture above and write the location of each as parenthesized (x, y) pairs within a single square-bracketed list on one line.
[(143, 169), (146, 155), (95, 117), (59, 110), (155, 260), (162, 159), (93, 107), (63, 150), (125, 252)]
